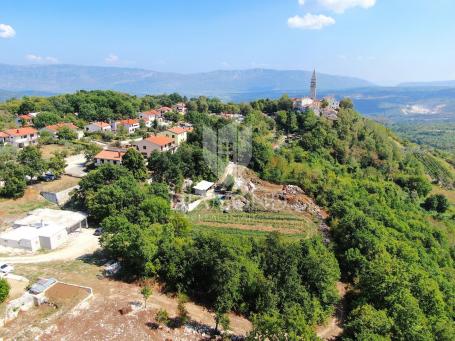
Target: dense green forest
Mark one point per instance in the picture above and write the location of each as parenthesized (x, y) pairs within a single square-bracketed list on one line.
[(401, 266), (103, 106), (386, 239)]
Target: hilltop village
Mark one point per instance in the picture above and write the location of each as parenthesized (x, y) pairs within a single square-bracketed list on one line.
[(163, 128)]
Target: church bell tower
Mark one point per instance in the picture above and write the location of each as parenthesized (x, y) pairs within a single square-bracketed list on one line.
[(313, 85)]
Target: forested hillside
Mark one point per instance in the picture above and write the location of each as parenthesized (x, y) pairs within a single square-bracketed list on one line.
[(400, 265)]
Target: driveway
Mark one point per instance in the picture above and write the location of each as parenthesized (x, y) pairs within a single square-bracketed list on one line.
[(79, 244), (75, 165)]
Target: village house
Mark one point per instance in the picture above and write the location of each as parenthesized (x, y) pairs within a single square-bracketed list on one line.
[(164, 110), (180, 108), (150, 116), (55, 128), (24, 120), (130, 125), (159, 143), (96, 127), (113, 157), (332, 103), (177, 134), (19, 137)]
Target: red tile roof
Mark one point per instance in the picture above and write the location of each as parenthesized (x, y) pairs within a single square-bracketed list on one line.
[(20, 131), (152, 112), (110, 155), (101, 124), (177, 130), (2, 134), (165, 109), (159, 140), (128, 122), (25, 117), (56, 127)]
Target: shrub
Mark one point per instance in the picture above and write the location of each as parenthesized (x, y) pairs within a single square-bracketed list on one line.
[(437, 202), (229, 182), (162, 316), (4, 290)]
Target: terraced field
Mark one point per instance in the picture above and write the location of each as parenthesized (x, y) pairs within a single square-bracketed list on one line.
[(438, 169), (258, 224)]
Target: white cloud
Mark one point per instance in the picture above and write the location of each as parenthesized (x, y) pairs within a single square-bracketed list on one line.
[(340, 6), (41, 59), (301, 2), (6, 31), (112, 59), (310, 21)]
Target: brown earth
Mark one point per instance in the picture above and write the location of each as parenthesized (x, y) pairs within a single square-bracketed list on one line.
[(63, 294), (99, 317)]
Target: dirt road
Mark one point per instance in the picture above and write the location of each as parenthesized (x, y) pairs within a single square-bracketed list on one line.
[(79, 244), (75, 165), (333, 329)]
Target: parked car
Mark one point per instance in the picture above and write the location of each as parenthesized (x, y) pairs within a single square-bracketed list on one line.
[(48, 176), (98, 231), (6, 268)]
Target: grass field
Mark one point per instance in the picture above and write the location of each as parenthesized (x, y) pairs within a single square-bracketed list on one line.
[(447, 226), (257, 224)]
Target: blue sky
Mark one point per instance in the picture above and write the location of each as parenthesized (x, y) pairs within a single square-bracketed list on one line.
[(385, 41)]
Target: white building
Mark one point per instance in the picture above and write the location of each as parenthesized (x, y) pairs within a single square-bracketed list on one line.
[(302, 103), (149, 117), (203, 188), (19, 137), (96, 127), (180, 108), (332, 103), (130, 125), (43, 229)]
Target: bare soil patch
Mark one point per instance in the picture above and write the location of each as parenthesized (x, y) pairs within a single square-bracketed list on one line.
[(63, 294), (99, 317), (11, 209)]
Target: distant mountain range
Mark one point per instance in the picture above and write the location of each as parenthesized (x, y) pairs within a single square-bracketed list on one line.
[(5, 94), (228, 85), (441, 84), (406, 102)]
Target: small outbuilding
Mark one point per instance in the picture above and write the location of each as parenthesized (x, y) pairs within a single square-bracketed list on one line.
[(43, 229), (203, 188)]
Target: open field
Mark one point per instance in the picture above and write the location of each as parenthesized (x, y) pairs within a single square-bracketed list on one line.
[(254, 224), (99, 317), (450, 194), (11, 209), (48, 150)]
